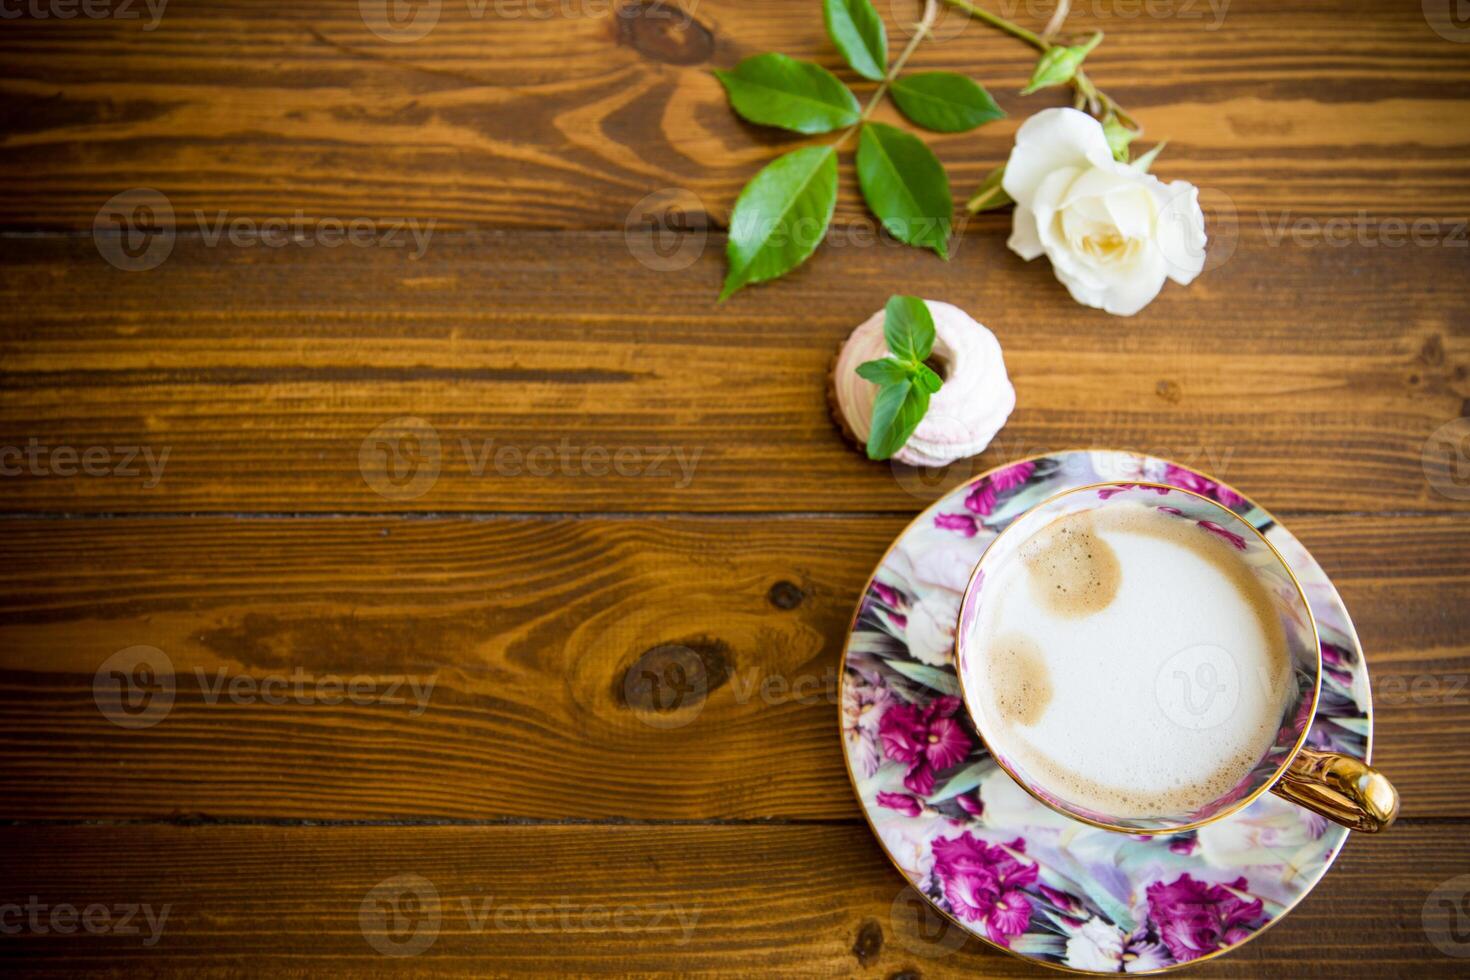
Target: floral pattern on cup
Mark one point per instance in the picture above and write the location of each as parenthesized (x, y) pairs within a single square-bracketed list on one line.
[(1011, 871)]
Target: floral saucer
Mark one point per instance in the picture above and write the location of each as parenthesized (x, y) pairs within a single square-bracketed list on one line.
[(1007, 869)]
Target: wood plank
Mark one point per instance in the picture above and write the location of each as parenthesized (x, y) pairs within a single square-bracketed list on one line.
[(695, 900), (566, 121), (1310, 377), (535, 633)]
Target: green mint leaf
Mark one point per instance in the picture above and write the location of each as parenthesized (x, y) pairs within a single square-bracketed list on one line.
[(1147, 160), (905, 186), (781, 216), (927, 379), (908, 329), (991, 194), (774, 90), (884, 372), (944, 101), (1118, 136), (858, 32), (1058, 65), (897, 411)]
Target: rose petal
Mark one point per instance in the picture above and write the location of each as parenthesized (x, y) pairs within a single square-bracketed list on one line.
[(1051, 139), (1180, 230)]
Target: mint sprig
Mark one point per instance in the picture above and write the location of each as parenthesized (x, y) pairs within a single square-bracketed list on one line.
[(904, 381)]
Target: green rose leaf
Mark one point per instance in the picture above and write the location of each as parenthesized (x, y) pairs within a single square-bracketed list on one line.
[(908, 328), (774, 90), (897, 411), (905, 186), (991, 194), (781, 216), (944, 101), (884, 372), (858, 32), (1058, 65), (1118, 136)]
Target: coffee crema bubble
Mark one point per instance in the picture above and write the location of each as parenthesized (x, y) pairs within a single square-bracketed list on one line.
[(1131, 662), (1074, 572)]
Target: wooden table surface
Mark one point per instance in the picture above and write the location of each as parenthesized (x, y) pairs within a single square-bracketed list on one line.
[(600, 462)]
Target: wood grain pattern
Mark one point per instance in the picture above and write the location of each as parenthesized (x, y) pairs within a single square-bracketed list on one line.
[(513, 118), (788, 901), (534, 633), (1309, 377), (668, 484)]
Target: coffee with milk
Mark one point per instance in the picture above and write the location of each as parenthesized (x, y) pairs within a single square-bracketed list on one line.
[(1130, 662)]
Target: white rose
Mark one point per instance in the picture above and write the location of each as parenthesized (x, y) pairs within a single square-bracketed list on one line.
[(1113, 233)]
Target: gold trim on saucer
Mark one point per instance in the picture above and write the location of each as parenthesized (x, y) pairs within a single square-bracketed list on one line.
[(1348, 629)]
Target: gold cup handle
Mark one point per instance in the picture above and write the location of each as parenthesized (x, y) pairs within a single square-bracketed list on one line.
[(1341, 788)]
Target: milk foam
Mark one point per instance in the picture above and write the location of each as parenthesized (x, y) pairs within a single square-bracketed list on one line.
[(1129, 662)]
